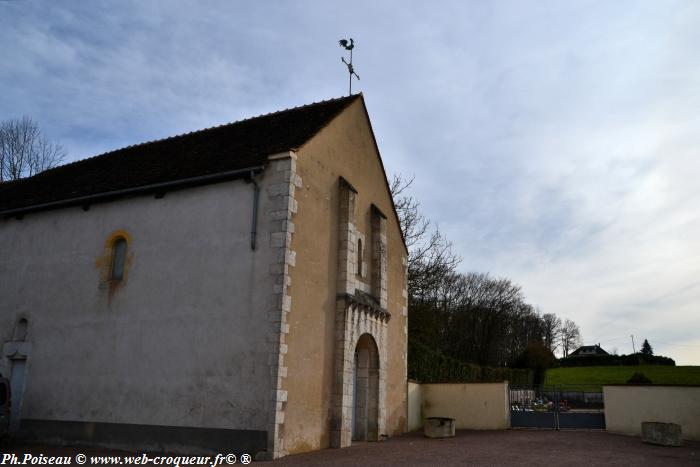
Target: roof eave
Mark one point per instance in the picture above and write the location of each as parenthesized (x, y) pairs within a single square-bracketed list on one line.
[(135, 191)]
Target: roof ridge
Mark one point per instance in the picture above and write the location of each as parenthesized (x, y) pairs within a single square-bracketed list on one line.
[(201, 130), (334, 99)]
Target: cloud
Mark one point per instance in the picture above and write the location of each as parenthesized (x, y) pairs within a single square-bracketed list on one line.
[(555, 143)]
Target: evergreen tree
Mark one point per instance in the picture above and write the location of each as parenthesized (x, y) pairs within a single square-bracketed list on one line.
[(646, 348)]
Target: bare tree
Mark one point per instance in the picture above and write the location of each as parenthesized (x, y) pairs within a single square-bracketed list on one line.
[(570, 336), (551, 330), (431, 259), (24, 151), (471, 317)]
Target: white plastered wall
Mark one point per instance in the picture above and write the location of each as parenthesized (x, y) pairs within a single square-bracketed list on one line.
[(180, 343), (626, 407)]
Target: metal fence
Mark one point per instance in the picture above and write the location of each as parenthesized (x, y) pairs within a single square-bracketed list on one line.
[(557, 407)]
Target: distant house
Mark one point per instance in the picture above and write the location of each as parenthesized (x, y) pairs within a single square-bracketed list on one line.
[(587, 350)]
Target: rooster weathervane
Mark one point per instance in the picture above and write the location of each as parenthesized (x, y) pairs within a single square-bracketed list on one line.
[(349, 45)]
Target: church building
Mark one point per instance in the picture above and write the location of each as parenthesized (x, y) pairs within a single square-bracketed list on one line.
[(236, 289)]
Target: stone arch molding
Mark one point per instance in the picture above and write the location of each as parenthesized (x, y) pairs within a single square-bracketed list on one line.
[(360, 309), (353, 321), (366, 390)]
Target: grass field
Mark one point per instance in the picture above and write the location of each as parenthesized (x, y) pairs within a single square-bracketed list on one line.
[(599, 375)]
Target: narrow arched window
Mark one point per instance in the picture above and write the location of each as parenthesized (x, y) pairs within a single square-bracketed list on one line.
[(118, 259), (359, 256), (21, 329)]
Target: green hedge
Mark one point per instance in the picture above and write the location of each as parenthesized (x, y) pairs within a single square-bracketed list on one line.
[(429, 366), (616, 360)]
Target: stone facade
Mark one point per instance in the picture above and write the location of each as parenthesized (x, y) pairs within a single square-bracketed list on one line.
[(379, 256), (358, 315), (282, 183)]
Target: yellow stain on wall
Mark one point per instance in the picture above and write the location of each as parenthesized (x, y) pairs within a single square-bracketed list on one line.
[(104, 261)]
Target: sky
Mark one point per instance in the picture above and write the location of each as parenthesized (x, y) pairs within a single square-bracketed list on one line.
[(554, 143)]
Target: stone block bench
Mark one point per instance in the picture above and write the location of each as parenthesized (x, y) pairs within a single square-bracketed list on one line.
[(664, 434), (439, 427)]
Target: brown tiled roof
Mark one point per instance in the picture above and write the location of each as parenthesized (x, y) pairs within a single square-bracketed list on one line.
[(218, 150)]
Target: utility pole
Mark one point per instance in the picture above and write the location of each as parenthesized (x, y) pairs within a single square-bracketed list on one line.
[(635, 350)]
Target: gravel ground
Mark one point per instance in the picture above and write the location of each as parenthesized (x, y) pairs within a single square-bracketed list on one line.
[(513, 447), (482, 448)]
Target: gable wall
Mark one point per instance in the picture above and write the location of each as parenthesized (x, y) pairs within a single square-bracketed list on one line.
[(344, 148)]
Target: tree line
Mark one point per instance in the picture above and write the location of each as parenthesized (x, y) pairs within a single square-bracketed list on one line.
[(472, 317)]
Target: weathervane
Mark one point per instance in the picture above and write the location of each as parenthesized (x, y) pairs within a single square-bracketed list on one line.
[(351, 71)]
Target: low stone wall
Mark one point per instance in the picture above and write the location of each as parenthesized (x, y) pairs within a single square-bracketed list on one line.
[(474, 406), (627, 406)]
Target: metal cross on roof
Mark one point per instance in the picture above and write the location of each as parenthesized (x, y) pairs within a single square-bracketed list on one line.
[(349, 45)]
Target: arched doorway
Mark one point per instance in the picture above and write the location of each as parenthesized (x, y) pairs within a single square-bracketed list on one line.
[(365, 401)]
